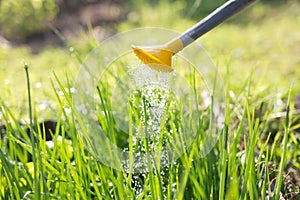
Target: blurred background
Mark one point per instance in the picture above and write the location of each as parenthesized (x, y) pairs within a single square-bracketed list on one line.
[(30, 21), (57, 35)]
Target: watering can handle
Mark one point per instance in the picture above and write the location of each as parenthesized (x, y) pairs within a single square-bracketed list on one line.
[(215, 18)]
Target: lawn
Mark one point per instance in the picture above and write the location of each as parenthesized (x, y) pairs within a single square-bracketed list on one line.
[(253, 154)]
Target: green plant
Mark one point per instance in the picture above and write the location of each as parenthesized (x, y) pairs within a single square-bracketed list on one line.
[(238, 166), (21, 18)]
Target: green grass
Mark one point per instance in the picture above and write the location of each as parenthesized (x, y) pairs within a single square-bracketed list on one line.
[(258, 145)]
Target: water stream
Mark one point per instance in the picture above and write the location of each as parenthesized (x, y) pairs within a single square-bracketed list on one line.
[(152, 101)]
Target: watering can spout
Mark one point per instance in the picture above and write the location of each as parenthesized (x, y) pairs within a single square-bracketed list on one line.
[(159, 57)]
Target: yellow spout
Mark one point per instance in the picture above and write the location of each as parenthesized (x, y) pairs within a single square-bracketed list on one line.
[(159, 57)]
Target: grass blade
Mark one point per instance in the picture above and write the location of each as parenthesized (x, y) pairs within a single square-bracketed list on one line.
[(32, 138), (284, 149)]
